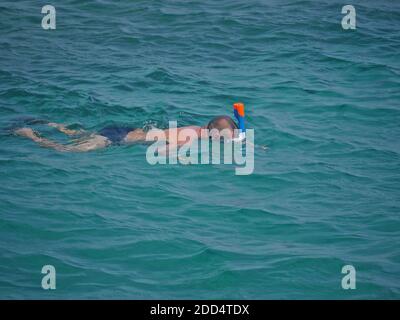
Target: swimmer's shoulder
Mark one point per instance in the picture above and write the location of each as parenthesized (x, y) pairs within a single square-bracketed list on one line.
[(196, 130)]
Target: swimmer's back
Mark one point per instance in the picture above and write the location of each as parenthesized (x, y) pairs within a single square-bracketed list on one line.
[(115, 134)]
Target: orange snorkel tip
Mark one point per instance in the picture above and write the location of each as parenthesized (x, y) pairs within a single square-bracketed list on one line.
[(238, 110)]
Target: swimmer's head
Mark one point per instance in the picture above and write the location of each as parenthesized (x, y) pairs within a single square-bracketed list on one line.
[(222, 126)]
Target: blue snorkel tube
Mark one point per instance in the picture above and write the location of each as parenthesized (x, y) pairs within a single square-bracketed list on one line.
[(238, 111)]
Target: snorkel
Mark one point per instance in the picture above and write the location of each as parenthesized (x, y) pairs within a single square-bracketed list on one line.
[(238, 111)]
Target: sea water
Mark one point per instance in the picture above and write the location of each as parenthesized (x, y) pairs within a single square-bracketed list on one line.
[(324, 105)]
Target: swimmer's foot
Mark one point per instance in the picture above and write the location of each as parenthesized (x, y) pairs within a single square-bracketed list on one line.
[(27, 133)]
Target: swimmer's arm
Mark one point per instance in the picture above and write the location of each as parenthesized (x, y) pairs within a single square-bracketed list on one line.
[(171, 146)]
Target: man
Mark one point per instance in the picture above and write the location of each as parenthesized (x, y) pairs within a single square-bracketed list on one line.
[(222, 126)]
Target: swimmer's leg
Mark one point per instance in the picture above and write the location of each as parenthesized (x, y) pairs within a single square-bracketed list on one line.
[(93, 142), (62, 128)]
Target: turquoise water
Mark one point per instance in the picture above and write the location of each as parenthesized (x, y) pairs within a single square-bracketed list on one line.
[(323, 195)]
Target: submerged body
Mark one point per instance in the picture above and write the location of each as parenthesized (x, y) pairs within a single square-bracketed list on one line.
[(125, 135)]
